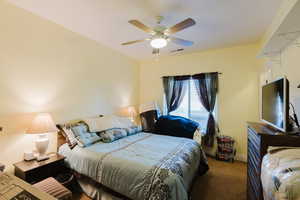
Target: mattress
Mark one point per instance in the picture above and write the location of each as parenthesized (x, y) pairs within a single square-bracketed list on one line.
[(280, 174), (141, 166)]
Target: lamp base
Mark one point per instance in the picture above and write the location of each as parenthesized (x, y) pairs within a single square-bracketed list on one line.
[(41, 144)]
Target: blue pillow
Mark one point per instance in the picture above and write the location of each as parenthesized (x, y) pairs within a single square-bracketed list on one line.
[(113, 134), (133, 130), (176, 126), (84, 137)]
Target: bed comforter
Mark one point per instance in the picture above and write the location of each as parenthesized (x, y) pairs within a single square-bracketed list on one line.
[(280, 174), (142, 166)]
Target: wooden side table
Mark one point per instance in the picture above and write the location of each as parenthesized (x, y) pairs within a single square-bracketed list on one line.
[(33, 171)]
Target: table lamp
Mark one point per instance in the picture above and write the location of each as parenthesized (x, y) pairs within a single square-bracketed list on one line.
[(132, 113), (41, 125)]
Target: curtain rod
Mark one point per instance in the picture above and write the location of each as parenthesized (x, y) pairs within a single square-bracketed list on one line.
[(220, 73)]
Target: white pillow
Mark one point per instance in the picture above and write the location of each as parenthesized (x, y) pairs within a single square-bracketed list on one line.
[(125, 122), (99, 124), (198, 136)]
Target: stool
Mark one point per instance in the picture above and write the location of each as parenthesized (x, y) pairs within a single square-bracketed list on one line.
[(54, 188)]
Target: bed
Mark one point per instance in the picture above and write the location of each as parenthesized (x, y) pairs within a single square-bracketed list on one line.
[(140, 166), (280, 174)]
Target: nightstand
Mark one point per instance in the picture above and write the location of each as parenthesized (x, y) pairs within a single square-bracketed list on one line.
[(33, 171)]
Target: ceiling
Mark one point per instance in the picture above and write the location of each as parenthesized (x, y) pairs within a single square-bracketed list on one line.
[(218, 23)]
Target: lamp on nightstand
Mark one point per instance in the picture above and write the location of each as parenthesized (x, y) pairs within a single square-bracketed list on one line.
[(132, 113), (41, 125)]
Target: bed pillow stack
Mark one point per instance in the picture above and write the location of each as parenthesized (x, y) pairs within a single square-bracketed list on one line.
[(111, 127), (83, 136), (91, 130), (78, 134)]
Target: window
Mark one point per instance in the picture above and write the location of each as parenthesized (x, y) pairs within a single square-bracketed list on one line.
[(191, 107)]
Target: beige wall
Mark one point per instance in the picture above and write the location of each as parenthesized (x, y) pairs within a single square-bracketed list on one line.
[(46, 68), (287, 64), (238, 93)]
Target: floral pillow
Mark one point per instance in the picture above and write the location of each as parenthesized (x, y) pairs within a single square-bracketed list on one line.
[(84, 138), (65, 130), (133, 130), (113, 135), (70, 137)]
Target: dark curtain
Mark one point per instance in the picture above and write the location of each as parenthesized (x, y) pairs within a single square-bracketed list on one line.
[(207, 88), (174, 87)]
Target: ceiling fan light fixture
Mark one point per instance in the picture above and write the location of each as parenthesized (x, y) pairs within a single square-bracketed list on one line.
[(158, 43)]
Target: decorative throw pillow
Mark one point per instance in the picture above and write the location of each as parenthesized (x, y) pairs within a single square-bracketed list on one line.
[(66, 132), (113, 134), (99, 124), (70, 137), (84, 138), (133, 130), (125, 122)]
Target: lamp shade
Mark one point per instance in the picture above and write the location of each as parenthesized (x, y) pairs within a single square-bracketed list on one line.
[(42, 123)]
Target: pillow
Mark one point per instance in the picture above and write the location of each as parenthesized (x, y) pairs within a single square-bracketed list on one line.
[(133, 130), (99, 124), (125, 122), (70, 137), (176, 126), (198, 136), (84, 138), (67, 133), (113, 135)]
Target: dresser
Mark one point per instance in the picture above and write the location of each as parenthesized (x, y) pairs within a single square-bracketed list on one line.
[(260, 137)]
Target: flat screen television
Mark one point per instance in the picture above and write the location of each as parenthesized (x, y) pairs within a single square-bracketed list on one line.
[(275, 104)]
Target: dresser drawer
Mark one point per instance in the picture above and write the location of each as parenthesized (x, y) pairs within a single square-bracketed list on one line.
[(253, 169), (254, 138)]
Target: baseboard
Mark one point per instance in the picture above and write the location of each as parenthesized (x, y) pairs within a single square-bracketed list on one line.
[(239, 157)]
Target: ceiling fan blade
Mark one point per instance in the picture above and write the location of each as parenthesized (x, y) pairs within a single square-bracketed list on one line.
[(176, 50), (181, 42), (141, 26), (155, 51), (134, 41), (180, 26)]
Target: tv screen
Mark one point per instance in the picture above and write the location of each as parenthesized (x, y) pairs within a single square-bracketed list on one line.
[(275, 103)]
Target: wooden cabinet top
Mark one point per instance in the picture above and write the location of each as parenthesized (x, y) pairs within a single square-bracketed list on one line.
[(267, 130), (263, 129), (30, 165)]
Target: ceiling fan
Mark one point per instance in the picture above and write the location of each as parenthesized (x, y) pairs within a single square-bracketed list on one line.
[(161, 35)]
